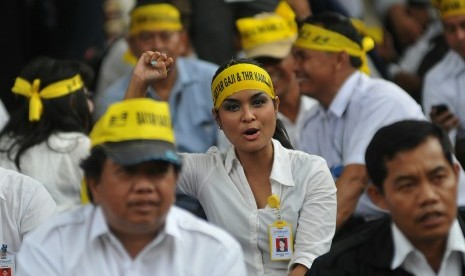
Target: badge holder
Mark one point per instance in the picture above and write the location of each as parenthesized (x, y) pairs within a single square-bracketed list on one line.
[(280, 234), (7, 262)]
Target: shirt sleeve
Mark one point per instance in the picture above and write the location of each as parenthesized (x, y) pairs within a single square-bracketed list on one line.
[(317, 220)]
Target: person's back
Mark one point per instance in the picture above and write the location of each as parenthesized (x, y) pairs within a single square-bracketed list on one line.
[(46, 137), (24, 204)]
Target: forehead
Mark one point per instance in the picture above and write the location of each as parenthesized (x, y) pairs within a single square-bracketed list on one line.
[(454, 20), (423, 158)]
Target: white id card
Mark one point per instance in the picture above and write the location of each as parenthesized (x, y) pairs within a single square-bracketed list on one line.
[(281, 243), (7, 264)]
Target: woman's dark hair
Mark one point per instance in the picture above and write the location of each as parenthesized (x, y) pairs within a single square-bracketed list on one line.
[(280, 132), (69, 113), (398, 137), (340, 24)]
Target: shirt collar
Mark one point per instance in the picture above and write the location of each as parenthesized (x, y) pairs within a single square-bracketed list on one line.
[(100, 227), (403, 247), (280, 172), (342, 99)]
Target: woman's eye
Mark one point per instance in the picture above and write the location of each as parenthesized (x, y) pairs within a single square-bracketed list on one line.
[(232, 107), (259, 102)]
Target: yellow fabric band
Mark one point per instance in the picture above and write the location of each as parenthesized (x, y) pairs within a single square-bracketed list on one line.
[(156, 17), (129, 58), (320, 39), (374, 32), (450, 7), (134, 119), (240, 77), (58, 89), (268, 27)]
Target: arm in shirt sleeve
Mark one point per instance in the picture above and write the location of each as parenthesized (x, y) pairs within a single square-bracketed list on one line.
[(317, 219)]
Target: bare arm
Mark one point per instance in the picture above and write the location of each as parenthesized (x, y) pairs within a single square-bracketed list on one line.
[(350, 187), (152, 66), (298, 270)]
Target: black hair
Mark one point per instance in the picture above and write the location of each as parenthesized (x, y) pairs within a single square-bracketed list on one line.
[(401, 136), (280, 132), (340, 24), (69, 113)]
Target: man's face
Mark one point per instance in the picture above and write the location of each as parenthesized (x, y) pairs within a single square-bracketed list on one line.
[(135, 199), (420, 192), (172, 43), (454, 32), (315, 71)]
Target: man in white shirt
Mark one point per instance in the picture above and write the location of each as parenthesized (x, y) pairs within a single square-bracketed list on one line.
[(331, 67), (444, 83), (415, 178), (132, 227)]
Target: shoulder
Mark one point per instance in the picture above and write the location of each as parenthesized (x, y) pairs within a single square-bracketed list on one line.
[(198, 67), (13, 183), (297, 158), (193, 227), (443, 70), (69, 142)]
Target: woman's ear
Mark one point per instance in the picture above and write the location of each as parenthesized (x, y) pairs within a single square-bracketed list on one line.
[(276, 104), (217, 118)]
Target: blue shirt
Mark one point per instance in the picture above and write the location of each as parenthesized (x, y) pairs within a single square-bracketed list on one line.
[(190, 104)]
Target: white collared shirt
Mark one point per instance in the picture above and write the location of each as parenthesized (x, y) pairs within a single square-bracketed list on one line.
[(413, 261), (79, 242), (293, 129), (445, 84), (55, 164), (342, 133), (24, 204), (302, 182)]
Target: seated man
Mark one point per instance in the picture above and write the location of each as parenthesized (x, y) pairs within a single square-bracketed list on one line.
[(132, 227), (415, 178)]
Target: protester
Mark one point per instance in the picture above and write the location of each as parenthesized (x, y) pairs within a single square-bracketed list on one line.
[(415, 179), (330, 66), (46, 137), (258, 190), (443, 83), (24, 205), (131, 227), (268, 39)]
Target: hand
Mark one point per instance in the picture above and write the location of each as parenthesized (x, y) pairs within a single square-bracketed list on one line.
[(152, 66), (446, 120), (298, 270)]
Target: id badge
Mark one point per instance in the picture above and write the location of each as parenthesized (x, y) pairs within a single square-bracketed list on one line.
[(281, 243), (7, 262)]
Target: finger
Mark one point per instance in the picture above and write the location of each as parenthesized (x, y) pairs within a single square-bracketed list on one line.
[(169, 62)]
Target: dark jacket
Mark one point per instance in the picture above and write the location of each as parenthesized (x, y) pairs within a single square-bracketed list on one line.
[(367, 252)]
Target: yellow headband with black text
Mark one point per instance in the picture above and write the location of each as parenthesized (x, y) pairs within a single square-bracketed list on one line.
[(320, 39), (155, 17), (240, 77), (449, 8), (35, 94)]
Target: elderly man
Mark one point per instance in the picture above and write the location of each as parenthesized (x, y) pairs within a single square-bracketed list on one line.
[(131, 227), (415, 178), (330, 65)]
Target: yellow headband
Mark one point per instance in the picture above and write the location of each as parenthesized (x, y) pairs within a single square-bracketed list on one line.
[(240, 77), (134, 119), (54, 90), (156, 17), (376, 33), (268, 27), (450, 7), (320, 39)]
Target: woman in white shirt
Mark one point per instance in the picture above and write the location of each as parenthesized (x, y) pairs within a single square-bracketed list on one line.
[(258, 190), (46, 137)]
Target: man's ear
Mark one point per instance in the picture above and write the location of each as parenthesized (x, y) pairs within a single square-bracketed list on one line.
[(377, 196), (92, 189)]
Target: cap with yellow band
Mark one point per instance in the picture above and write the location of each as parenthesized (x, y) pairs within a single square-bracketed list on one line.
[(135, 131), (317, 38), (268, 34), (58, 89), (240, 77), (155, 17), (449, 8)]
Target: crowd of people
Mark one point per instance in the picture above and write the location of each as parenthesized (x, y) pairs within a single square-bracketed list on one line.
[(301, 140)]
